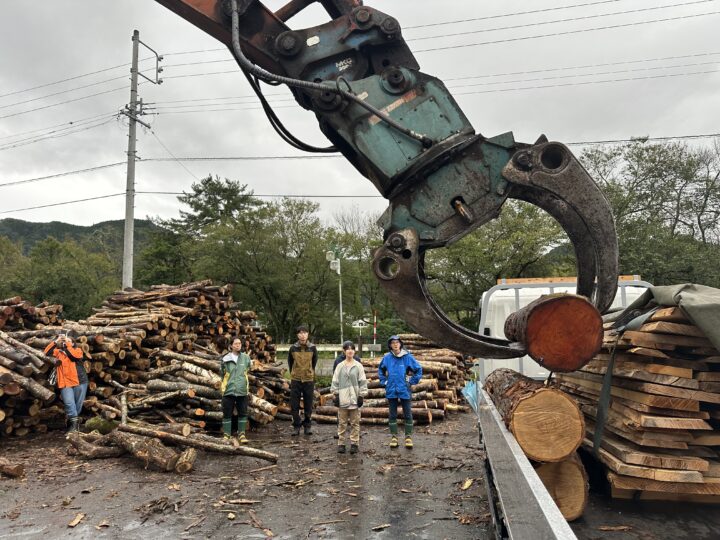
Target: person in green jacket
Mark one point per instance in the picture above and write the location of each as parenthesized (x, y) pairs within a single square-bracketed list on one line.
[(235, 387)]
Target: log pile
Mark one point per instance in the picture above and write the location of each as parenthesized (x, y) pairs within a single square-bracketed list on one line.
[(159, 348), (16, 314), (25, 395), (149, 444), (437, 393), (549, 428), (660, 440)]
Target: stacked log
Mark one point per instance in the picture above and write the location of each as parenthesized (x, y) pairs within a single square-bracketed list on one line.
[(661, 434), (437, 394), (451, 375), (141, 344), (25, 396), (16, 313), (549, 428)]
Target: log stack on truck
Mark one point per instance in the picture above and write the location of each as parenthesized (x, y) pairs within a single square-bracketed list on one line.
[(661, 437)]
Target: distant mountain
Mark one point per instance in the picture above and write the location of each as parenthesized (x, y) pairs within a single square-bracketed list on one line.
[(105, 236)]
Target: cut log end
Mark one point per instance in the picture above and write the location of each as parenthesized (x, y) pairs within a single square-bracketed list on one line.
[(548, 425), (567, 483), (561, 332)]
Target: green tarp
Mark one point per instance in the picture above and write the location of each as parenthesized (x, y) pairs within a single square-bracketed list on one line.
[(701, 304)]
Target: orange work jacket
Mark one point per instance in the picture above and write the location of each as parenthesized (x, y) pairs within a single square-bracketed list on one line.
[(67, 373)]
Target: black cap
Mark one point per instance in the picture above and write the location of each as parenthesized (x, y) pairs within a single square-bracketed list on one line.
[(348, 345), (302, 328)]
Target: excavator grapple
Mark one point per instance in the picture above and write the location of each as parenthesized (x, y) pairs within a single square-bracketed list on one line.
[(403, 130)]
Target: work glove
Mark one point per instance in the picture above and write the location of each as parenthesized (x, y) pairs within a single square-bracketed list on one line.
[(336, 400), (360, 401)]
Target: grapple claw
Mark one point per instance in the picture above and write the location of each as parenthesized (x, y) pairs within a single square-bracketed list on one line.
[(550, 176), (398, 264)]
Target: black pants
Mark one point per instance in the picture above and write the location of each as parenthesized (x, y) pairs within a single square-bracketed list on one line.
[(230, 402), (307, 391)]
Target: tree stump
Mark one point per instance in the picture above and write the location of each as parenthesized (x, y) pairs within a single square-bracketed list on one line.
[(546, 422), (561, 332), (567, 483)]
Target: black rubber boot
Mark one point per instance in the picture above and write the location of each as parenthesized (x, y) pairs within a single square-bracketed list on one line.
[(296, 431), (74, 424), (353, 448), (308, 430), (341, 448)]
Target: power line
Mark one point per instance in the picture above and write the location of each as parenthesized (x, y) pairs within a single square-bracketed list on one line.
[(501, 16), (63, 102), (288, 196), (66, 173), (173, 155), (61, 92), (594, 74), (54, 135), (586, 83), (556, 21), (568, 32), (63, 203), (302, 157), (586, 66), (67, 123)]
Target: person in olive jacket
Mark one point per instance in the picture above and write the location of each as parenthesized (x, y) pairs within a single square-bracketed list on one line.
[(398, 371), (302, 359), (235, 388)]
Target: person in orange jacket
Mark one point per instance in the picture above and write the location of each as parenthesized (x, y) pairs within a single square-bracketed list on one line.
[(72, 379)]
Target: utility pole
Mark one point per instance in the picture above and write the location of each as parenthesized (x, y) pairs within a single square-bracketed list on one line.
[(132, 111), (128, 243)]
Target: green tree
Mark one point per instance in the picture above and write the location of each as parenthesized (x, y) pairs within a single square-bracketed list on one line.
[(514, 245), (666, 202), (66, 273), (14, 268)]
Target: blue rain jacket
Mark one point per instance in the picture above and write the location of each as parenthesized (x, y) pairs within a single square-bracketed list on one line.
[(393, 371)]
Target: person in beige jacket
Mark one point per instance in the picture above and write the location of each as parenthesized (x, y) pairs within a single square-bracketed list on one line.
[(349, 386)]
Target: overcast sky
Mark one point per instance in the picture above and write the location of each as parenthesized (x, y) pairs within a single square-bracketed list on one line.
[(658, 78)]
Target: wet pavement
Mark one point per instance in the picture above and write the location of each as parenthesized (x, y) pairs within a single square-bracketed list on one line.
[(313, 492)]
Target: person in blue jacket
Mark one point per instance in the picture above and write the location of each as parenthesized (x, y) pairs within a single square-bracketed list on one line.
[(395, 368)]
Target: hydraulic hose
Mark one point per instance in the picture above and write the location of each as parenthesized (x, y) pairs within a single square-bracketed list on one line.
[(265, 75)]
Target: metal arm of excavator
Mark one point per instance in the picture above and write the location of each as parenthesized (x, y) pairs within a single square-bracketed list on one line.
[(402, 129)]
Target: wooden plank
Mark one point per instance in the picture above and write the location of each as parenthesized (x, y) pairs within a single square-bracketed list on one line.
[(641, 407), (651, 473), (641, 397), (651, 388), (654, 440), (710, 387), (634, 370), (707, 439), (626, 425), (713, 469), (709, 487), (670, 314), (631, 494), (653, 353), (649, 421), (636, 338), (708, 376), (633, 454), (662, 327)]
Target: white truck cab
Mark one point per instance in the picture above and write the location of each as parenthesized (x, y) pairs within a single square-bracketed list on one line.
[(509, 295)]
